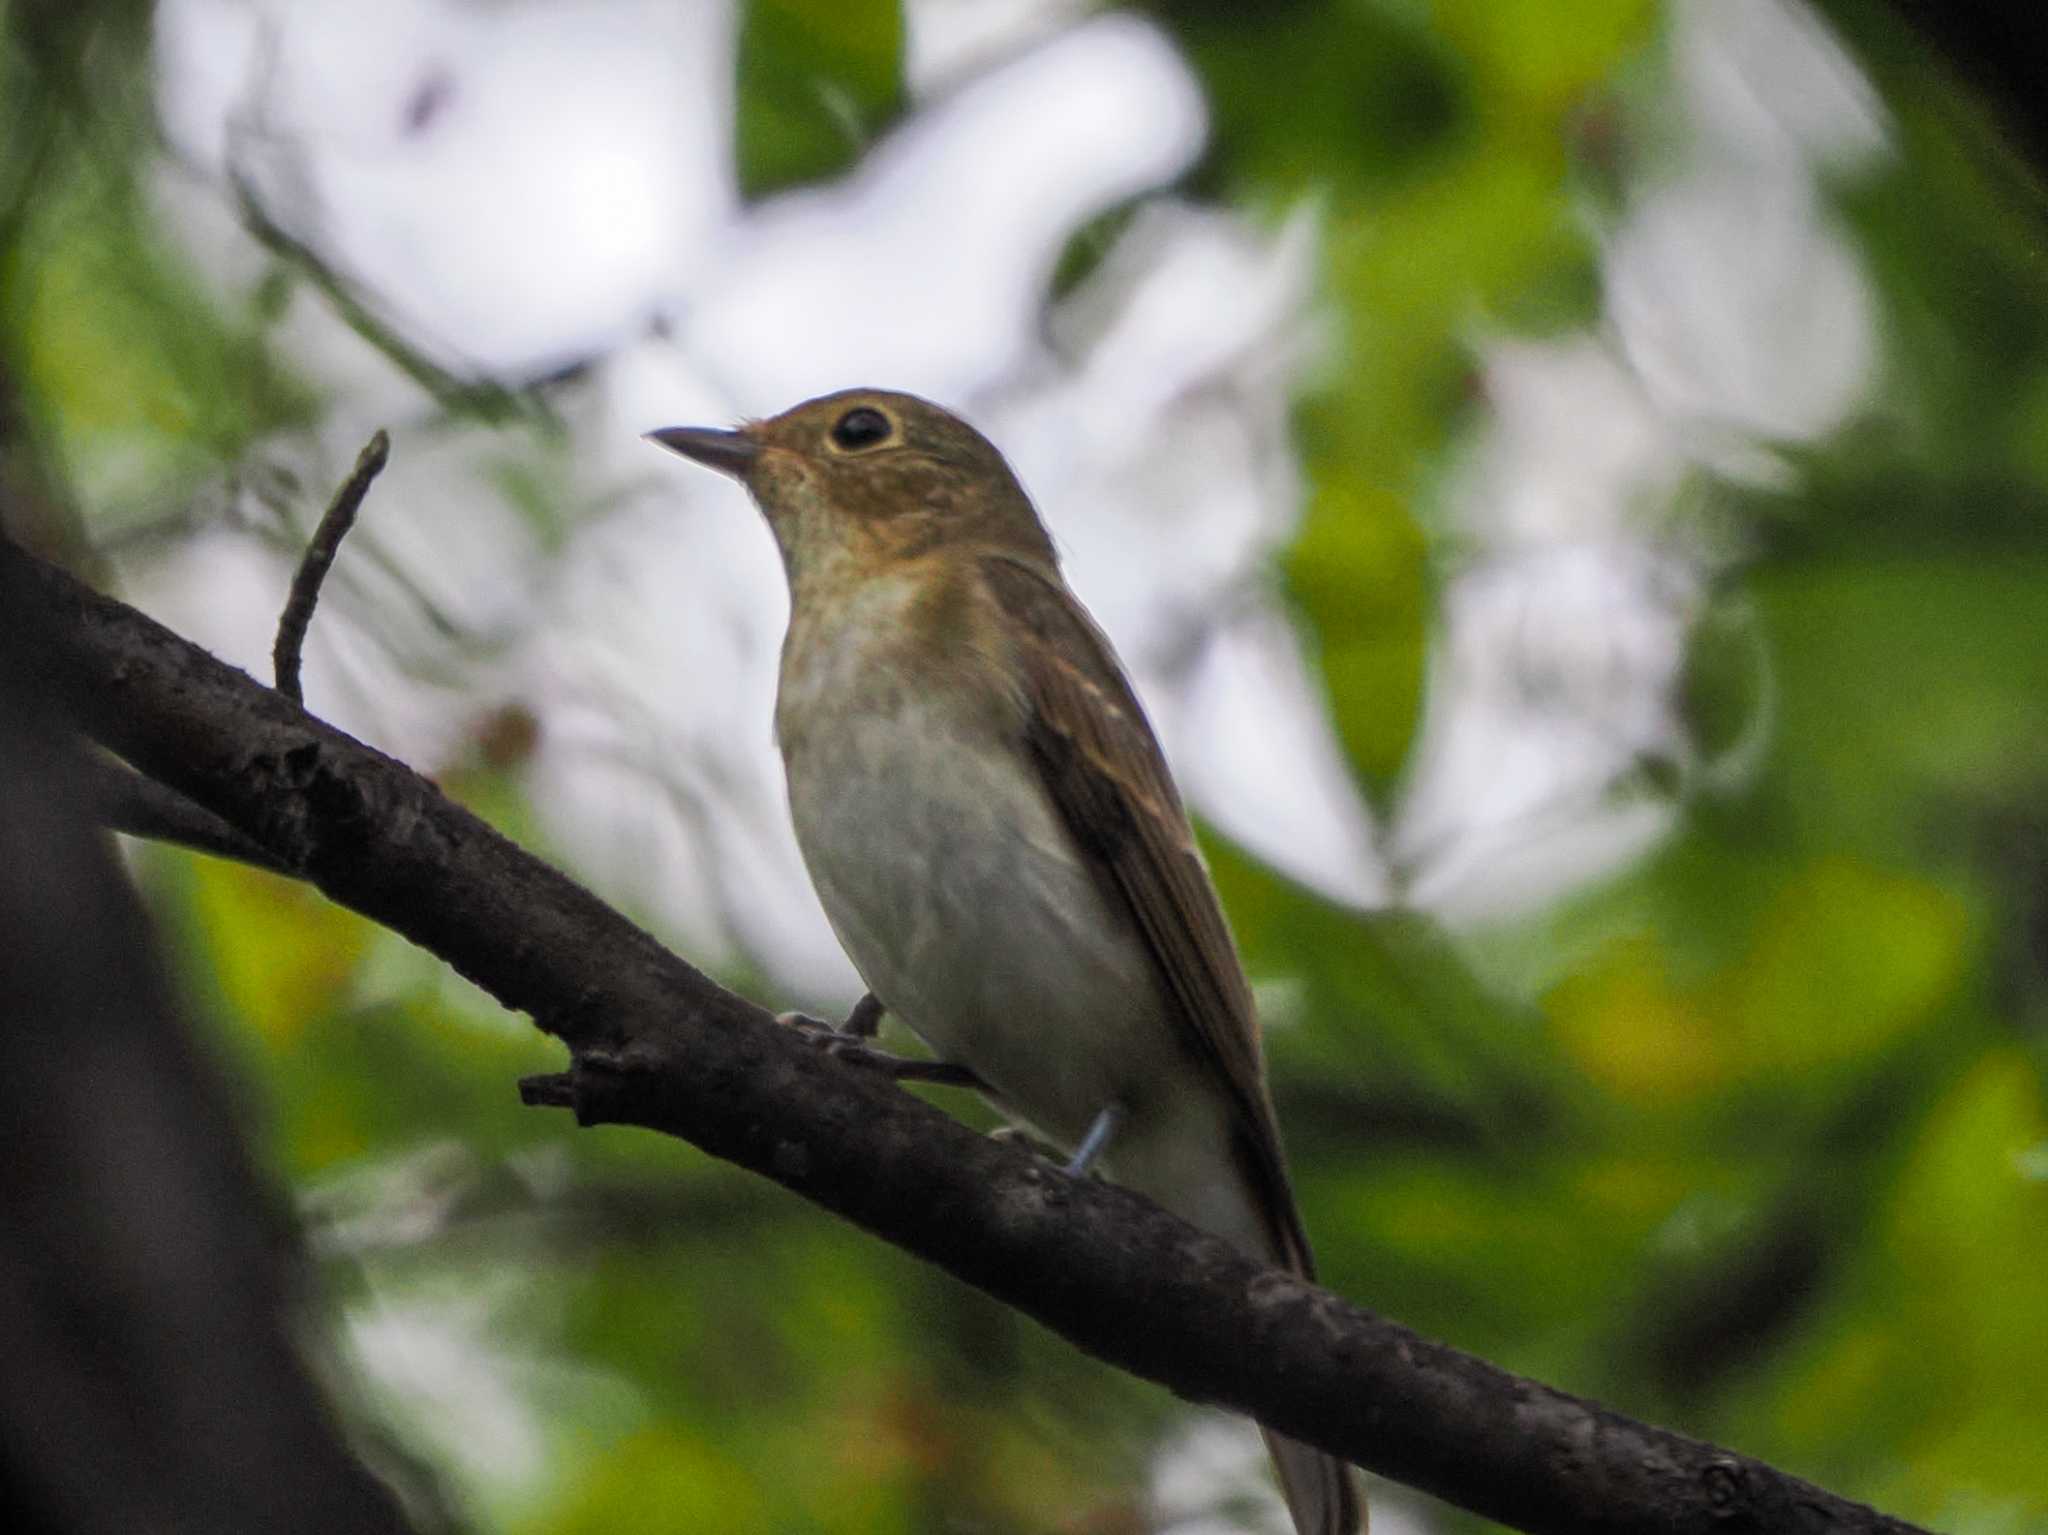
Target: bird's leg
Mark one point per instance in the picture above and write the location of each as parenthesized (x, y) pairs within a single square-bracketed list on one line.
[(847, 1042), (1097, 1138)]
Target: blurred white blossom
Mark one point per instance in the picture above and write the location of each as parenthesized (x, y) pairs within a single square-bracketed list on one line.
[(1769, 337), (516, 185), (464, 1369), (1764, 82), (925, 268), (1737, 321), (1211, 1479), (949, 40)]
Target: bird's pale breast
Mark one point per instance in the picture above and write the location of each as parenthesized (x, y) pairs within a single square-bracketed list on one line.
[(961, 898)]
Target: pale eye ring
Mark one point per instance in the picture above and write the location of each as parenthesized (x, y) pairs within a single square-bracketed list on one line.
[(861, 427)]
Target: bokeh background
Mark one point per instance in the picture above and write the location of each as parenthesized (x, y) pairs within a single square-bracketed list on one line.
[(1570, 481)]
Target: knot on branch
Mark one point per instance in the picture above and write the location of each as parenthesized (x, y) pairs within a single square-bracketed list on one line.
[(586, 1088), (315, 798), (1731, 1501), (550, 1090)]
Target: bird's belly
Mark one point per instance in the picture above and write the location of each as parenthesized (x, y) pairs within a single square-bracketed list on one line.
[(960, 899)]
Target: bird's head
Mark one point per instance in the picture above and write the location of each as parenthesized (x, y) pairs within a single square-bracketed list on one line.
[(871, 477)]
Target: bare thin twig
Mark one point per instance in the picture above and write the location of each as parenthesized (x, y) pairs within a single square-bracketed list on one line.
[(334, 526)]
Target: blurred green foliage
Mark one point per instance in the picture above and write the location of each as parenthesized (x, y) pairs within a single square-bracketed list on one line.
[(1749, 1139), (137, 378), (818, 81)]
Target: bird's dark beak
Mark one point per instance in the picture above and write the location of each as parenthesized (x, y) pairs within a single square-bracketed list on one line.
[(732, 452)]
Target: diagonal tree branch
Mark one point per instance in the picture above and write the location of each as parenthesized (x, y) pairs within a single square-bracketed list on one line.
[(655, 1043)]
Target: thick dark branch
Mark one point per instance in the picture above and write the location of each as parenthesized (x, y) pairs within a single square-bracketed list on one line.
[(318, 560), (655, 1043)]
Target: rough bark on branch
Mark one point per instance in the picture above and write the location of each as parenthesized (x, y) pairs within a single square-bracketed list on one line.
[(655, 1043)]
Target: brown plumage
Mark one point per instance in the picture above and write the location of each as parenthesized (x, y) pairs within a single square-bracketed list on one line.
[(993, 830)]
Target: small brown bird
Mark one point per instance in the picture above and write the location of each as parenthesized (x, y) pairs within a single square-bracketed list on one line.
[(993, 832)]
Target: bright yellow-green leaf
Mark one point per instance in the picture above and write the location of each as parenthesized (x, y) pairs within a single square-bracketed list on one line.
[(282, 952), (1630, 1030), (1846, 958), (662, 1481), (1539, 55)]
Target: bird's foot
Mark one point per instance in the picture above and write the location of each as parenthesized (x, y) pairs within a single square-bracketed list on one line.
[(816, 1031), (862, 1023)]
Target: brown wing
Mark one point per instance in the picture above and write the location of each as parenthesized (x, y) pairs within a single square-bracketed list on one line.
[(1107, 776)]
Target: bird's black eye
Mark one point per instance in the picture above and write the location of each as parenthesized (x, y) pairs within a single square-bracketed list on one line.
[(861, 427)]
